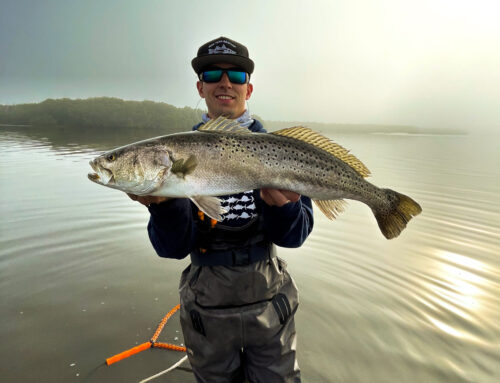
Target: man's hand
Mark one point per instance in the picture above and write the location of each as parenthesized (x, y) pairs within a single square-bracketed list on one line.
[(278, 197), (147, 200)]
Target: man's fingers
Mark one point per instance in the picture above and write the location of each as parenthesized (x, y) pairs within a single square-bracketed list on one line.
[(290, 195), (158, 199), (279, 198), (267, 197), (147, 200), (275, 197)]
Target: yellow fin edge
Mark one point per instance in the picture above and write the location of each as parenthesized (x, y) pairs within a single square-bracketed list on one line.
[(311, 137), (331, 208)]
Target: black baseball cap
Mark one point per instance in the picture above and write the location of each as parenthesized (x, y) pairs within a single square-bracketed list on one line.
[(222, 50)]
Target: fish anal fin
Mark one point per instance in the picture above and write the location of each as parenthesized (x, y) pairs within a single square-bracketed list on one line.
[(209, 205), (331, 208), (223, 124), (314, 138)]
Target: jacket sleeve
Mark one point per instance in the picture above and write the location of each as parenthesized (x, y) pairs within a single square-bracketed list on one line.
[(289, 225), (171, 228)]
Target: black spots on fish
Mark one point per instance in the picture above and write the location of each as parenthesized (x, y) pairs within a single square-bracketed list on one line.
[(391, 197)]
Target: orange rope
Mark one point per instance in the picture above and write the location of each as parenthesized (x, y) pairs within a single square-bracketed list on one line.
[(152, 343), (169, 346), (164, 322), (126, 354)]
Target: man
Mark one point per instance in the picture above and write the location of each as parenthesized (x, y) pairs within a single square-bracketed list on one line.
[(237, 299)]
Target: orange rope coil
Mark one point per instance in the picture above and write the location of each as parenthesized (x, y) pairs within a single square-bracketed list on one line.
[(151, 344)]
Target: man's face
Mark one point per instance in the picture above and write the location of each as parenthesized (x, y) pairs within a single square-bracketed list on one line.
[(224, 97)]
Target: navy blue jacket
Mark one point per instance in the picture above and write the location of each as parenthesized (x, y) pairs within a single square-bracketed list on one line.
[(172, 228)]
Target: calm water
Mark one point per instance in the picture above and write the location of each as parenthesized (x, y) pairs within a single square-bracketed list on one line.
[(79, 280)]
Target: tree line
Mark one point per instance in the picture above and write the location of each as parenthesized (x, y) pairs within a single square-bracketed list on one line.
[(114, 113), (101, 112)]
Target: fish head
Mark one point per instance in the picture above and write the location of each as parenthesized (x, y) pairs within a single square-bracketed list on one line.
[(137, 169)]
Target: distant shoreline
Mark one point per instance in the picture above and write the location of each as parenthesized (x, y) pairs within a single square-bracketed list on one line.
[(323, 131), (16, 125), (441, 133), (114, 114)]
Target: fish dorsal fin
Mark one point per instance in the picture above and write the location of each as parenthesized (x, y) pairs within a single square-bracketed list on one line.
[(223, 124), (311, 137)]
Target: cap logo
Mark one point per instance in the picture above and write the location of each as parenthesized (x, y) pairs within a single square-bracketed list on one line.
[(221, 49)]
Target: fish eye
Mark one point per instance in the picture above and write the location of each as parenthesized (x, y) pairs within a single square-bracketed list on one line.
[(111, 157)]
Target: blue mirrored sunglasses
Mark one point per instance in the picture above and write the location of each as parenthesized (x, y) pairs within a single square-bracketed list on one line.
[(215, 75)]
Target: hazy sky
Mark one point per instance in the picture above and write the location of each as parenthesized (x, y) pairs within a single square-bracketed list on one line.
[(429, 63)]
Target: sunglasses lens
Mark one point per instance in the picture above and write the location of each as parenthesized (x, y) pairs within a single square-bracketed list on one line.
[(212, 75), (237, 77)]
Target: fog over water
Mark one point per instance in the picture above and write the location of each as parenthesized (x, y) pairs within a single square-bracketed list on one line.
[(79, 280), (431, 63)]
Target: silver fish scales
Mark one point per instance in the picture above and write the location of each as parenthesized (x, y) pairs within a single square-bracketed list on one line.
[(223, 158)]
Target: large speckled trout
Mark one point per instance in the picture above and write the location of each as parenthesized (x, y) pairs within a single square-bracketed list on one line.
[(223, 158)]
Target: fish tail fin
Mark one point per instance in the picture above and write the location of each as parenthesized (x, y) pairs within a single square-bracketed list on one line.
[(393, 220)]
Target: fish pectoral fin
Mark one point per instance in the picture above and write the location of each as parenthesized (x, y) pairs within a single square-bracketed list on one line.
[(211, 206), (331, 208), (223, 124), (183, 167)]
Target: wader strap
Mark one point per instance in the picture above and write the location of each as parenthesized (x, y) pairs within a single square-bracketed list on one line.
[(235, 257), (282, 307)]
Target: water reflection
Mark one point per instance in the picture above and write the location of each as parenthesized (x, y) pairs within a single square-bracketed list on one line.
[(424, 307), (64, 140), (464, 285)]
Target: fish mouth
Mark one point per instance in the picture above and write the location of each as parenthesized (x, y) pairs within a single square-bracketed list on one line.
[(102, 175), (93, 177)]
